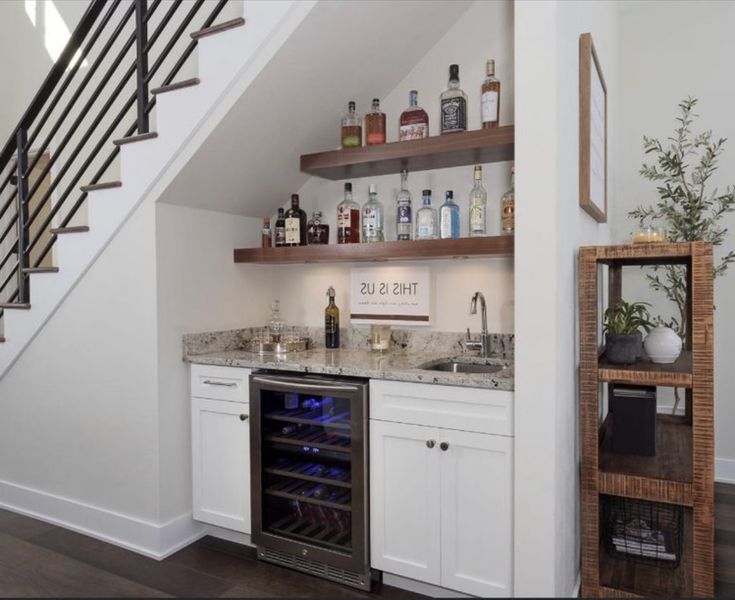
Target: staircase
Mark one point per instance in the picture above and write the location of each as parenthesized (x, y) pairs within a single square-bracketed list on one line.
[(137, 87)]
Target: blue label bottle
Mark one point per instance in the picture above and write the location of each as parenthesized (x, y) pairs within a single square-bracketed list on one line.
[(449, 218)]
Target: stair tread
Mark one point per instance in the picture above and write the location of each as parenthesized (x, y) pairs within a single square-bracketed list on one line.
[(224, 26), (41, 270), (176, 86), (141, 137), (101, 186), (75, 229), (14, 305)]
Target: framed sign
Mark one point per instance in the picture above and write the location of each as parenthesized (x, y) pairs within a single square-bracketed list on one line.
[(592, 132), (390, 296)]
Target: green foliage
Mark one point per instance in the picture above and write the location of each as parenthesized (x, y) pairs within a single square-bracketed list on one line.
[(627, 319), (686, 209)]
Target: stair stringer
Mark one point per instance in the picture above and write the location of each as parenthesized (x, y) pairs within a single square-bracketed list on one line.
[(228, 62)]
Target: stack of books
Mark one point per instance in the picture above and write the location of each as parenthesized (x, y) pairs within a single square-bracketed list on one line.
[(638, 538)]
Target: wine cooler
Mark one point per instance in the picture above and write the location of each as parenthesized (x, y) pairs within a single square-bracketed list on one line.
[(309, 474)]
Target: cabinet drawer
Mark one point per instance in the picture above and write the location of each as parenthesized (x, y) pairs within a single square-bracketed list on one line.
[(450, 407), (220, 383)]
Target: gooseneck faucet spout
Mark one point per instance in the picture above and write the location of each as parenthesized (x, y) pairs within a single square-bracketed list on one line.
[(483, 344)]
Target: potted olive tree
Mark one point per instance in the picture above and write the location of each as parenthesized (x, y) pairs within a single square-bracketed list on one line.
[(622, 325)]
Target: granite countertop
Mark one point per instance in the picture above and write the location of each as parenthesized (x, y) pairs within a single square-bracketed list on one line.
[(400, 363)]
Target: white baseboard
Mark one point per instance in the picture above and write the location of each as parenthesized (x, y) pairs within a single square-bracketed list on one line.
[(229, 535), (419, 587), (144, 537), (725, 470)]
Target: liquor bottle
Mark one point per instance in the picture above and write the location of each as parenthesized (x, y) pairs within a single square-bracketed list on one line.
[(331, 322), (426, 219), (290, 429), (295, 224), (478, 206), (490, 98), (375, 125), (280, 229), (449, 218), (414, 122), (266, 238), (372, 218), (351, 127), (348, 219), (404, 223), (453, 104), (316, 231), (508, 207)]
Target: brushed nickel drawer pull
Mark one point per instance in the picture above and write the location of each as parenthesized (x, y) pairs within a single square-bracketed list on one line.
[(220, 383)]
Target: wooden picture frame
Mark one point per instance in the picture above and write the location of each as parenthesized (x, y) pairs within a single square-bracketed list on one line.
[(592, 132)]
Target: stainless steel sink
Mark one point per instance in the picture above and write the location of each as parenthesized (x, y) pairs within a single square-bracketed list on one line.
[(451, 366)]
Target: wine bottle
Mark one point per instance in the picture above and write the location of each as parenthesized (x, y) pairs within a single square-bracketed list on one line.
[(331, 321)]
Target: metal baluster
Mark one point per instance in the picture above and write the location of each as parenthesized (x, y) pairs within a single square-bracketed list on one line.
[(22, 202), (141, 41)]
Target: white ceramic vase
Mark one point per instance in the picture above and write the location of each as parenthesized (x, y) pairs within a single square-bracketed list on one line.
[(662, 345)]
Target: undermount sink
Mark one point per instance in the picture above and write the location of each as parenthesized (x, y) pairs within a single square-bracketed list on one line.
[(452, 366)]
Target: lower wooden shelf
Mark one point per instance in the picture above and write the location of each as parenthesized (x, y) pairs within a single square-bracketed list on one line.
[(490, 246), (665, 477), (645, 372), (620, 578)]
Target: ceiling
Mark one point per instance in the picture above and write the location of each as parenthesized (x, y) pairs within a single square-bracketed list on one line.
[(341, 51)]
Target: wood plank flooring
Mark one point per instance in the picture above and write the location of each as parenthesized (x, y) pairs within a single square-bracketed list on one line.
[(42, 560)]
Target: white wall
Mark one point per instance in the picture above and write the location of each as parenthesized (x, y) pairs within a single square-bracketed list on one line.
[(549, 230), (484, 31), (200, 288), (659, 73)]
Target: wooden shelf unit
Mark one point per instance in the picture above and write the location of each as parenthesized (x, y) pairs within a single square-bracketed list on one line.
[(491, 246), (437, 152), (682, 471)]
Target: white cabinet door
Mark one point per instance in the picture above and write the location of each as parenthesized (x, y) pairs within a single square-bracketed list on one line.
[(404, 500), (476, 513), (221, 463)]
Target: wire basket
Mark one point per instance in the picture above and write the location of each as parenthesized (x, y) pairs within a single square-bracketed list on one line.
[(643, 532)]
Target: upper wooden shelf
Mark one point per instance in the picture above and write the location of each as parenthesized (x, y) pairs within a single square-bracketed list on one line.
[(438, 152), (492, 246), (647, 253)]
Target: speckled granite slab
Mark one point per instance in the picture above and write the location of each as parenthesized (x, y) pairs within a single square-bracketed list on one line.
[(410, 350)]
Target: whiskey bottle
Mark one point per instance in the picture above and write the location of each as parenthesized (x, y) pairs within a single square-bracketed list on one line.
[(351, 127), (372, 218), (375, 125), (414, 122), (426, 219), (508, 207), (490, 98), (266, 237), (449, 218), (348, 219), (295, 224), (316, 231), (331, 321), (404, 221), (280, 229), (478, 206), (453, 104)]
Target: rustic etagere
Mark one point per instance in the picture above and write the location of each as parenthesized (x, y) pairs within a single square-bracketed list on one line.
[(682, 471)]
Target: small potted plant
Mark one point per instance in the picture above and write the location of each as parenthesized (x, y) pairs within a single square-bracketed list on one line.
[(622, 324)]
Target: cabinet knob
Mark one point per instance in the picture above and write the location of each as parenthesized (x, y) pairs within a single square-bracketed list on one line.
[(444, 446), (430, 443), (243, 417)]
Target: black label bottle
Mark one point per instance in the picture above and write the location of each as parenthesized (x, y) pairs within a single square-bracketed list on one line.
[(295, 224), (453, 104), (331, 322), (279, 231)]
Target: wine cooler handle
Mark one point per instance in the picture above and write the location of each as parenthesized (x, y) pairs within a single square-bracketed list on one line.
[(222, 383), (430, 443), (298, 385), (444, 446), (243, 417)]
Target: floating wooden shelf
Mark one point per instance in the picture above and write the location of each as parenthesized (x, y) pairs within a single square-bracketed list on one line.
[(664, 477), (438, 152), (644, 372), (492, 246), (645, 254)]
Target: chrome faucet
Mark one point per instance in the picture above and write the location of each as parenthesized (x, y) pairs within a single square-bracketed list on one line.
[(482, 344)]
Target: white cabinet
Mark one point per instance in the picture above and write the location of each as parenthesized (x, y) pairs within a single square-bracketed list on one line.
[(440, 498), (221, 453)]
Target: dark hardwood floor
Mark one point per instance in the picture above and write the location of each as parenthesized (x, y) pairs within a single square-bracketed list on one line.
[(41, 560)]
